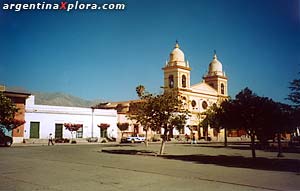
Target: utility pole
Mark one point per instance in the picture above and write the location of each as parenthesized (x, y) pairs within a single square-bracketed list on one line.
[(93, 122)]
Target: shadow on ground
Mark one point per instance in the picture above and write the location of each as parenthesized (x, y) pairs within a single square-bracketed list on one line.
[(247, 147), (130, 152), (259, 163), (119, 145), (288, 165)]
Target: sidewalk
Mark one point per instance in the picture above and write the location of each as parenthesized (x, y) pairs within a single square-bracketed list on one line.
[(60, 144)]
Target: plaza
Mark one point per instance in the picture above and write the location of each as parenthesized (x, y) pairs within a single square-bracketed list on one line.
[(96, 166)]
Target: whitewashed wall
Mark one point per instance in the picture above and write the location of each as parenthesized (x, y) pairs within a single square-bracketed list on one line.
[(48, 116)]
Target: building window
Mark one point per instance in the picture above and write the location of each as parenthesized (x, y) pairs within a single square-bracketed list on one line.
[(103, 132), (171, 81), (79, 133), (58, 131), (204, 105), (222, 88), (183, 81), (194, 103), (34, 130)]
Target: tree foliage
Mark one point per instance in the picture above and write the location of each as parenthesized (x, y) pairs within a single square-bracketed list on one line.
[(73, 126), (260, 117), (140, 90), (211, 117), (219, 116), (7, 113), (103, 125), (123, 126), (163, 111), (294, 96)]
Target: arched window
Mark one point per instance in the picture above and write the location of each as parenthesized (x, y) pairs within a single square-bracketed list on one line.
[(204, 105), (171, 81), (194, 103), (183, 81), (222, 89)]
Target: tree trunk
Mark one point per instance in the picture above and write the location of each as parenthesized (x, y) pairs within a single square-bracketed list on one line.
[(225, 137), (253, 145), (146, 139), (199, 133), (162, 147), (279, 145), (163, 143)]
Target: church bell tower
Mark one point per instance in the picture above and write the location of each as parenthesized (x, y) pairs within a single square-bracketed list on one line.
[(216, 78), (177, 70)]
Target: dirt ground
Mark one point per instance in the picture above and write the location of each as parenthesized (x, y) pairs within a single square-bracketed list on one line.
[(135, 167)]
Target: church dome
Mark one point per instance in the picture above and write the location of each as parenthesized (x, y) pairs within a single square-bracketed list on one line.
[(176, 55), (215, 66)]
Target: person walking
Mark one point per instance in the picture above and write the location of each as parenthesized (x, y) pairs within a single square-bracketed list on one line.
[(50, 140)]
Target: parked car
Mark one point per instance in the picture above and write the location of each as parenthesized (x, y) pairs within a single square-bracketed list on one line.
[(135, 139), (5, 136)]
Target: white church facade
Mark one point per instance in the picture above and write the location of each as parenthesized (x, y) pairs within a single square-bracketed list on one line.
[(213, 89)]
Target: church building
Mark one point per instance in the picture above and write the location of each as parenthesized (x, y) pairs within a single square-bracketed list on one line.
[(212, 89), (197, 97)]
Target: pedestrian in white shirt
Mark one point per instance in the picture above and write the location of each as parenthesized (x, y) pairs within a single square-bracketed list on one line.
[(50, 140)]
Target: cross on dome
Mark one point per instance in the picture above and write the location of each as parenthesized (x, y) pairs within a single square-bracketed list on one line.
[(176, 44), (177, 55)]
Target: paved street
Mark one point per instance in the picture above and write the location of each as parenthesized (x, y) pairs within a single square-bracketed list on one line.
[(185, 167)]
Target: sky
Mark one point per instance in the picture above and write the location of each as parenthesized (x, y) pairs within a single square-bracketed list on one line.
[(105, 54)]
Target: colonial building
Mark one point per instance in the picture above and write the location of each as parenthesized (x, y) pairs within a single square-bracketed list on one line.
[(41, 120), (197, 97), (19, 99)]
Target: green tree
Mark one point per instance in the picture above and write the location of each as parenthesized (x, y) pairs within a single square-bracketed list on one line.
[(160, 111), (7, 113), (260, 117), (294, 97), (210, 119), (221, 116), (282, 122), (250, 111), (140, 90), (138, 112), (73, 127), (277, 120)]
